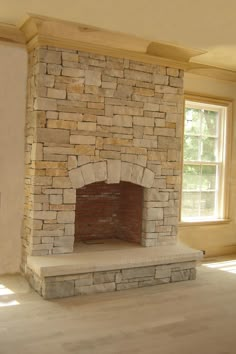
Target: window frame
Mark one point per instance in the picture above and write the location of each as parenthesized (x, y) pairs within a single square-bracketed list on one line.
[(226, 103)]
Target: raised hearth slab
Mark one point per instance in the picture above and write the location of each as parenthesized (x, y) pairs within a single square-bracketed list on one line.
[(100, 271)]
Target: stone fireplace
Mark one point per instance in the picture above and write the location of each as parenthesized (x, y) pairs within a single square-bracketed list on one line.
[(102, 155)]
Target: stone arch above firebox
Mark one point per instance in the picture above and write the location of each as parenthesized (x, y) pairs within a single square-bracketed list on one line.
[(111, 171)]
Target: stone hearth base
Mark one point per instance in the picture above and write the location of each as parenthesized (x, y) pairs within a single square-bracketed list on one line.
[(102, 271)]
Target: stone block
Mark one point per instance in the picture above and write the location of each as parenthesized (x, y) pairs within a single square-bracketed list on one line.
[(69, 196), (37, 152), (144, 121), (69, 229), (82, 139), (148, 178), (72, 72), (54, 69), (137, 174), (176, 82), (160, 79), (138, 272), (153, 214), (100, 171), (45, 215), (45, 104), (126, 171), (92, 78), (138, 75), (104, 120), (65, 217), (56, 136), (180, 275), (90, 126), (58, 289), (104, 277), (61, 182), (55, 199), (122, 121), (88, 173), (49, 56), (76, 178), (163, 271), (55, 93), (113, 171), (97, 288), (84, 280), (154, 107)]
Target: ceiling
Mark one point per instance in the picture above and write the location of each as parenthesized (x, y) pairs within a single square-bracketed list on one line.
[(207, 25)]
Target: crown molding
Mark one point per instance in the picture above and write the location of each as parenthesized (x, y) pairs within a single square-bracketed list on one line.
[(42, 31), (11, 34)]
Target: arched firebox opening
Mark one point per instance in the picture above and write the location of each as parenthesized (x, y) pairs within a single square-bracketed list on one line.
[(109, 211)]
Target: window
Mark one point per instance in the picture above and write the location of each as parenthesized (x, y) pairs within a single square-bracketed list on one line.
[(204, 161)]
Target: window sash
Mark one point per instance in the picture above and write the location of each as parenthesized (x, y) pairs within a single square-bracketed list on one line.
[(219, 163)]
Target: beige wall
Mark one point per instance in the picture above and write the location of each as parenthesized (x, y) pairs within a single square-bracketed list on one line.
[(215, 239), (13, 63)]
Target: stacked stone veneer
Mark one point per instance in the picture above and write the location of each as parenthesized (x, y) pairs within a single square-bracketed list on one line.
[(93, 118), (114, 280)]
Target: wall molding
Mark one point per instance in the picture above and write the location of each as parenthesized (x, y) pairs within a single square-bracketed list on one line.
[(11, 34), (38, 31)]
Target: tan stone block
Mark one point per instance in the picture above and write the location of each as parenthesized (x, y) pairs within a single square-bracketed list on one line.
[(54, 69), (49, 56), (49, 164), (52, 115), (45, 215), (65, 217), (56, 199), (157, 156), (124, 110), (160, 79), (45, 80), (62, 207), (90, 126), (143, 91), (41, 181), (55, 172), (72, 72), (70, 57), (143, 121), (55, 93), (155, 107), (109, 85), (100, 171), (122, 121), (56, 136), (148, 178), (153, 214), (137, 75), (37, 152), (76, 178), (164, 132), (145, 143), (88, 173), (113, 171), (61, 124), (104, 120), (75, 88), (82, 139), (172, 155), (173, 72), (85, 150), (82, 160), (61, 182), (70, 196), (72, 162), (176, 82), (126, 171), (137, 174), (110, 155), (173, 180), (70, 116), (69, 229), (45, 104), (52, 191), (92, 78)]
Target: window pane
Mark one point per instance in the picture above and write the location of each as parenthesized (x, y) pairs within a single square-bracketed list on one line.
[(208, 149), (191, 148), (192, 177), (209, 123), (208, 178), (192, 121), (207, 204), (191, 204)]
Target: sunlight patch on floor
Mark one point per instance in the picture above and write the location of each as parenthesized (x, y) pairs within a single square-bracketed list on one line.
[(226, 266), (4, 297)]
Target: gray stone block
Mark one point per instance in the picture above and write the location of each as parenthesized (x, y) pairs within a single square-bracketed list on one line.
[(58, 290), (138, 272)]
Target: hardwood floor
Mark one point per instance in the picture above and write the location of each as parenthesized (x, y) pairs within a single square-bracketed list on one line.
[(181, 318)]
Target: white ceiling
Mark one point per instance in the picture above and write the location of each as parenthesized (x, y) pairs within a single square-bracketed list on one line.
[(209, 25)]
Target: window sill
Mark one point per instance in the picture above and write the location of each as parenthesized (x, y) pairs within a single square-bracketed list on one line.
[(204, 223)]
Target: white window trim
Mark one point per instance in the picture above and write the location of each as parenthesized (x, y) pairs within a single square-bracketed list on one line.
[(227, 103)]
